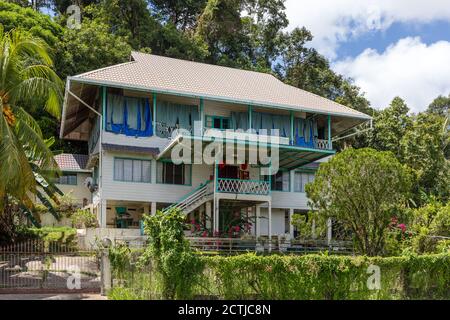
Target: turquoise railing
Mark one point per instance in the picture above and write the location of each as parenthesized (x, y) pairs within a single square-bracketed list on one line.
[(237, 186)]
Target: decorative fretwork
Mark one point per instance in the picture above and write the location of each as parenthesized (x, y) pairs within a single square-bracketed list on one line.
[(163, 130), (252, 187), (322, 144)]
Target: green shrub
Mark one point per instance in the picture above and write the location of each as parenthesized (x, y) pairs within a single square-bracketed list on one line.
[(83, 219), (309, 277), (56, 235)]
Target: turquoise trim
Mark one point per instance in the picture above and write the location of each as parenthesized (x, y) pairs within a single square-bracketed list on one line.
[(202, 114), (292, 129), (216, 98), (250, 117), (330, 143)]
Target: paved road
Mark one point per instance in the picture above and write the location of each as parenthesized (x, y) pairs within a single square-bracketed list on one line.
[(51, 297)]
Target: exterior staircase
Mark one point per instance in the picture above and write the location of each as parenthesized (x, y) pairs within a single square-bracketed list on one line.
[(194, 199)]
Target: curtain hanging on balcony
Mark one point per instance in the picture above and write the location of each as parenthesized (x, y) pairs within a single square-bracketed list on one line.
[(173, 115), (306, 132), (239, 120), (265, 123), (129, 116)]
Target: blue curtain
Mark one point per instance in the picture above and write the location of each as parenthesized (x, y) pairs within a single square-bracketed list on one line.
[(129, 116), (306, 132)]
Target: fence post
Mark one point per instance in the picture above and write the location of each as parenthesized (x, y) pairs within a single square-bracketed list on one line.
[(105, 266)]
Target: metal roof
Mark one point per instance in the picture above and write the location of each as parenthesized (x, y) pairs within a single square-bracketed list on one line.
[(174, 76), (72, 162)]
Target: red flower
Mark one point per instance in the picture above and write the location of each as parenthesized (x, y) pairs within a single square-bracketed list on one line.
[(205, 234), (403, 227), (237, 229)]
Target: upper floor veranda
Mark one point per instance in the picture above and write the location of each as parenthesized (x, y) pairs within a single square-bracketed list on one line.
[(145, 102)]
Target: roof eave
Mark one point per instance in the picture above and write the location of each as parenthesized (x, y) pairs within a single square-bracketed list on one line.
[(360, 116)]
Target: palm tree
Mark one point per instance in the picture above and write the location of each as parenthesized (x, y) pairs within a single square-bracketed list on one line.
[(27, 81)]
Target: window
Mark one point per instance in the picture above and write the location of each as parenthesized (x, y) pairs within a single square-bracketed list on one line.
[(301, 180), (221, 123), (280, 181), (67, 179), (130, 170), (169, 173)]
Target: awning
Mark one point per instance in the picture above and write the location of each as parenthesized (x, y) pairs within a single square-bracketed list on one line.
[(290, 157)]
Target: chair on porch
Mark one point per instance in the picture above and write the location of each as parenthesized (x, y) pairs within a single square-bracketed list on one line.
[(122, 218)]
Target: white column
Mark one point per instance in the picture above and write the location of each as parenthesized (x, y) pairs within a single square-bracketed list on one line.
[(216, 214), (329, 230), (153, 171), (258, 221), (103, 213), (270, 226), (291, 227), (153, 208), (146, 208)]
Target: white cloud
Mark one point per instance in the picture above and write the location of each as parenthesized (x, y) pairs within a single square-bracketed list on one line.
[(409, 68), (335, 21)]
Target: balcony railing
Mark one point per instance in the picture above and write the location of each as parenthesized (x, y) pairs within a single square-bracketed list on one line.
[(249, 187), (323, 144)]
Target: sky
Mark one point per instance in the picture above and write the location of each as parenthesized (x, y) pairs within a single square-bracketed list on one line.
[(388, 47)]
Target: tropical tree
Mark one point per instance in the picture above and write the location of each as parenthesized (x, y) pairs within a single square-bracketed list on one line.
[(362, 189), (27, 81)]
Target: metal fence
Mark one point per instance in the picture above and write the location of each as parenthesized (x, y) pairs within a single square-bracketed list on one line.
[(48, 266), (235, 246)]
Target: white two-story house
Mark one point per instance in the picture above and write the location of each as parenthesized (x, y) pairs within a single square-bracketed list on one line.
[(132, 114)]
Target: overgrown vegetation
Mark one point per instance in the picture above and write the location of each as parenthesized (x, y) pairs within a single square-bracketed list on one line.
[(169, 269)]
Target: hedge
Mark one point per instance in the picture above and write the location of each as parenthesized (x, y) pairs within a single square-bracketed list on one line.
[(317, 277)]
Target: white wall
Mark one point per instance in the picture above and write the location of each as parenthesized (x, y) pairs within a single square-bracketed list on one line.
[(78, 192), (147, 192), (278, 222)]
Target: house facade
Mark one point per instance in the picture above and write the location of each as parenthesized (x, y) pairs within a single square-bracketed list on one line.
[(152, 123)]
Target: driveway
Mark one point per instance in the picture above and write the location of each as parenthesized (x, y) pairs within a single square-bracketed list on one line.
[(51, 297)]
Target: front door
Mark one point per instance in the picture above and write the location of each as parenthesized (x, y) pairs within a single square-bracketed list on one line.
[(228, 172)]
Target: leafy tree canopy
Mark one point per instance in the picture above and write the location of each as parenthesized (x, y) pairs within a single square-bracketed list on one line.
[(13, 16), (362, 189)]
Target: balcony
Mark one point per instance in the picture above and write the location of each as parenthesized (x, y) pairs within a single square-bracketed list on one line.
[(243, 187)]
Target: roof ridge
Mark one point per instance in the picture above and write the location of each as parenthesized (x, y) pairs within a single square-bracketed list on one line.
[(204, 63)]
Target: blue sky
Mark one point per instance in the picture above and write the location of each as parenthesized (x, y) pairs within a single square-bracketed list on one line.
[(389, 47), (381, 39)]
